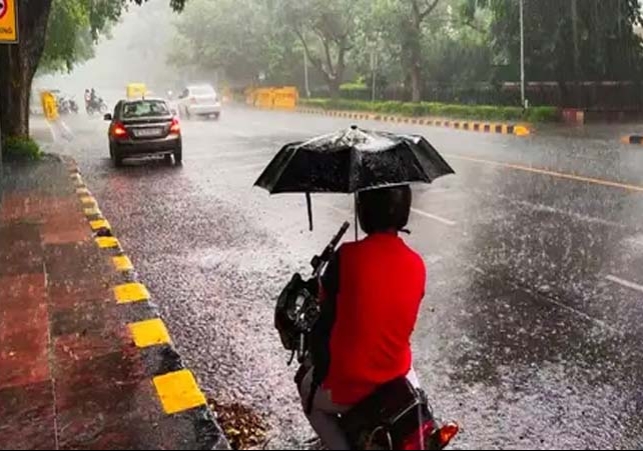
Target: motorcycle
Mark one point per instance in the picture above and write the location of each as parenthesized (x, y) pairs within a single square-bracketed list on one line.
[(96, 106), (397, 415), (67, 105)]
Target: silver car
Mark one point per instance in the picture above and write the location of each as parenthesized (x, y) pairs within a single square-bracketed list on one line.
[(199, 100)]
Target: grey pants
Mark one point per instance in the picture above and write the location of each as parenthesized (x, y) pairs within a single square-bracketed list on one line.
[(323, 416)]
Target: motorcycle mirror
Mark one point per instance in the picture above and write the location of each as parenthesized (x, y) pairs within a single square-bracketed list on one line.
[(107, 117)]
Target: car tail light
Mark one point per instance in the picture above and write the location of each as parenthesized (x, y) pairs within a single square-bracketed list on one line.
[(175, 127), (118, 130)]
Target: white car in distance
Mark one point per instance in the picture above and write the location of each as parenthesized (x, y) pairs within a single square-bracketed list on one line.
[(199, 100)]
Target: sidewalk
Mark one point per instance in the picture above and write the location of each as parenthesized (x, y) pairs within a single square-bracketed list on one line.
[(85, 362)]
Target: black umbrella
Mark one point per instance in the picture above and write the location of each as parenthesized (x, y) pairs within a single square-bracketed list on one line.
[(352, 160)]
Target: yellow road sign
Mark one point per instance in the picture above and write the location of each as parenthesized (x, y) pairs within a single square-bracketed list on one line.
[(8, 22), (49, 104)]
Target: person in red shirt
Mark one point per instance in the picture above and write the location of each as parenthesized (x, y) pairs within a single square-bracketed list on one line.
[(370, 297)]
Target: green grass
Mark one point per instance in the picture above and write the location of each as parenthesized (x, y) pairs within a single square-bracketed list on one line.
[(479, 112), (20, 148)]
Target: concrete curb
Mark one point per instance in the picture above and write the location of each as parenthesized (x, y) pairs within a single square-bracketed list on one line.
[(632, 139), (483, 127), (176, 388)]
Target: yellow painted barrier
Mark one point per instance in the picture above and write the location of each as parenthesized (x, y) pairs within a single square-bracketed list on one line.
[(286, 98), (264, 98), (49, 105), (136, 90)]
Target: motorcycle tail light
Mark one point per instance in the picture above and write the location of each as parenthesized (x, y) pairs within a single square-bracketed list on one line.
[(420, 437), (447, 433)]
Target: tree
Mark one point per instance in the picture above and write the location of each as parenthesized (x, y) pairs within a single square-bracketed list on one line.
[(405, 22), (417, 12), (232, 36), (567, 40), (326, 30), (19, 62)]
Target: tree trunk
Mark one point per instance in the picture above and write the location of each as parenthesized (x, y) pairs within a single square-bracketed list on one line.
[(333, 86), (415, 54), (18, 64), (416, 82)]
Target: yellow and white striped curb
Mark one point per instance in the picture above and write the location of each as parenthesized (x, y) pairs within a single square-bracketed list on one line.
[(483, 127), (177, 391)]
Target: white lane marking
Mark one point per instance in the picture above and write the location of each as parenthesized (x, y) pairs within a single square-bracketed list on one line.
[(337, 209), (434, 217), (244, 166), (258, 153), (636, 239), (625, 283)]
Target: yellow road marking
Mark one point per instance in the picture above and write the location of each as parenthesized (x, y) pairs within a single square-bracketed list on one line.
[(178, 391), (92, 211), (105, 242), (578, 178), (131, 292), (521, 130), (149, 333), (82, 191), (88, 200), (99, 224), (122, 263)]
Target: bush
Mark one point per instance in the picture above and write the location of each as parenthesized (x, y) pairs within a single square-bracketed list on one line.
[(446, 110), (354, 91), (543, 114), (20, 148)]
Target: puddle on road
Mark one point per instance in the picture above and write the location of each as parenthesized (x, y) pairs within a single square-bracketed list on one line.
[(244, 428)]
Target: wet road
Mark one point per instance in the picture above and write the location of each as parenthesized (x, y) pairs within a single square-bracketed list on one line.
[(531, 327)]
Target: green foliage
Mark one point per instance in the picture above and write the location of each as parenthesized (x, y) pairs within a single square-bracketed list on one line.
[(20, 148), (356, 90), (239, 37), (480, 112), (605, 45), (74, 26)]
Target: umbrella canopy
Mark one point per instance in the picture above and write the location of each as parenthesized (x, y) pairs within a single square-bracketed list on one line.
[(352, 160)]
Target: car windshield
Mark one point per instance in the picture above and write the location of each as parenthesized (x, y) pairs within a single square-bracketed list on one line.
[(202, 91), (145, 108)]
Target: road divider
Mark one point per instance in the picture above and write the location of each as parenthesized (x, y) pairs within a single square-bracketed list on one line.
[(482, 127), (175, 386), (273, 98)]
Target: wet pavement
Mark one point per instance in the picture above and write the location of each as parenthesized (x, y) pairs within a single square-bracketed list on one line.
[(530, 331)]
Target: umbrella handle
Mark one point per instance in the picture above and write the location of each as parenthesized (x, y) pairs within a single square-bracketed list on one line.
[(356, 227), (309, 205)]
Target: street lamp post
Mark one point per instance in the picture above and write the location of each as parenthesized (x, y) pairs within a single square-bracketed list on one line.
[(306, 82), (373, 72), (522, 54)]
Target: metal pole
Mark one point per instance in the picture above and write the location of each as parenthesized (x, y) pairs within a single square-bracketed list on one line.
[(522, 53), (306, 75), (374, 74), (356, 220)]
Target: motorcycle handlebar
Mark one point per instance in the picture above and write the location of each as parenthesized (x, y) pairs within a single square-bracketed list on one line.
[(319, 261)]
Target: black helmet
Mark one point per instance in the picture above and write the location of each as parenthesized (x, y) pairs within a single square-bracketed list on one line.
[(384, 209)]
